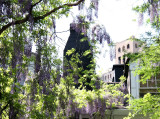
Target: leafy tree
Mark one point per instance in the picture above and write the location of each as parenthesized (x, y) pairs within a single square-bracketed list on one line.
[(24, 22), (30, 83), (148, 60)]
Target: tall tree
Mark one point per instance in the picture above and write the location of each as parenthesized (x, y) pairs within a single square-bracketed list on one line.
[(24, 22), (28, 81), (25, 86)]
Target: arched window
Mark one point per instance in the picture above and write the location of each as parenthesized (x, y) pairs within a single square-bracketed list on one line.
[(119, 49), (123, 48), (128, 46), (136, 45)]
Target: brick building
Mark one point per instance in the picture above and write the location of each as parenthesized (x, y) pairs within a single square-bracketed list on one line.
[(135, 88)]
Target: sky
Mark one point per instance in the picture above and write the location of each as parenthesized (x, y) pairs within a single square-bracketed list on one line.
[(119, 20)]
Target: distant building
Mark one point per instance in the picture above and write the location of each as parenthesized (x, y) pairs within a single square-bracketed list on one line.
[(113, 75), (124, 47), (121, 67), (135, 88), (108, 77)]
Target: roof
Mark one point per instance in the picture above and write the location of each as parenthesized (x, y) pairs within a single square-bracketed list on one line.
[(117, 65)]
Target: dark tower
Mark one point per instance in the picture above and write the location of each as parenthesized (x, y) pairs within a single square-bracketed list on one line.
[(74, 41)]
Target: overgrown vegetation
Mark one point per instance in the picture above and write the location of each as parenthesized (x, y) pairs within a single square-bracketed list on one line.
[(148, 59), (30, 83)]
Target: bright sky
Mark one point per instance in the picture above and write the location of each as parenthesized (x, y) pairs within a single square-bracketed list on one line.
[(118, 18)]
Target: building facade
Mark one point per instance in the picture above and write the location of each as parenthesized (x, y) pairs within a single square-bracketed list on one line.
[(121, 67), (108, 77), (124, 47)]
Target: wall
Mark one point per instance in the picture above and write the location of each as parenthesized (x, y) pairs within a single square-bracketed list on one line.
[(131, 49), (108, 77), (115, 114), (133, 81)]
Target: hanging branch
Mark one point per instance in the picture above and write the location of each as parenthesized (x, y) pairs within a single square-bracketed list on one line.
[(39, 17)]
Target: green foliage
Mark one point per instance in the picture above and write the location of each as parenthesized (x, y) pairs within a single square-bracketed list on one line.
[(143, 8), (148, 62), (148, 106), (148, 68), (69, 52), (30, 83)]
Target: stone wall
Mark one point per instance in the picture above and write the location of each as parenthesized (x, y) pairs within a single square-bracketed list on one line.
[(114, 114)]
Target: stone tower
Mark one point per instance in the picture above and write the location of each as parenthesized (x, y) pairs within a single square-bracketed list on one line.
[(74, 41)]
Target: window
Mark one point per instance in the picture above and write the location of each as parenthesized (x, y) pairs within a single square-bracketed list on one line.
[(123, 48), (153, 82), (151, 86), (119, 60), (119, 49), (128, 46), (136, 46)]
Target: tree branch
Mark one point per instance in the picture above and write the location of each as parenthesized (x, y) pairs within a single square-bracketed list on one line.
[(36, 3), (39, 17), (31, 8), (63, 31)]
